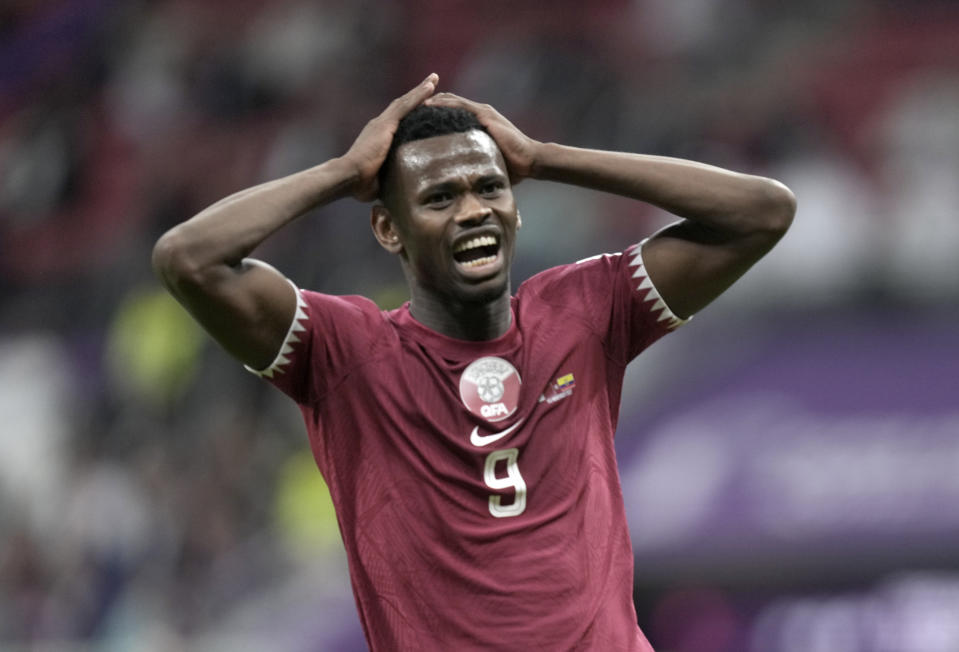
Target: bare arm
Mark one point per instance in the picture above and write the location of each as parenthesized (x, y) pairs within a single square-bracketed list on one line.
[(245, 305), (730, 220)]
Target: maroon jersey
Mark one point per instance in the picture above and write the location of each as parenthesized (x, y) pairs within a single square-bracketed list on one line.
[(475, 483)]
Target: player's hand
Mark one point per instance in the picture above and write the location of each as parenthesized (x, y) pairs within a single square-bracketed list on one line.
[(519, 150), (370, 148)]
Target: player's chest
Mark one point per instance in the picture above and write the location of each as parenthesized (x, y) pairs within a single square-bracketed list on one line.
[(472, 401)]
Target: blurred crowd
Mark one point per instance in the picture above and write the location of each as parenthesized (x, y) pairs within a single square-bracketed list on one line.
[(149, 488)]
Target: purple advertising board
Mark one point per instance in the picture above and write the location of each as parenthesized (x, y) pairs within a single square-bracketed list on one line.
[(837, 436)]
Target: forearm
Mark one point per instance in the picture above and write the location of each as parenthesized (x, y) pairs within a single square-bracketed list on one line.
[(713, 197), (248, 308), (226, 232)]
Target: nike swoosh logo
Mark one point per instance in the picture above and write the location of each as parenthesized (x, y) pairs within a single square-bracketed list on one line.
[(482, 440)]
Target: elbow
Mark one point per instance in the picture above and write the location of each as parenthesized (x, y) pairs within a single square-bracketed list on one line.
[(777, 208), (171, 260)]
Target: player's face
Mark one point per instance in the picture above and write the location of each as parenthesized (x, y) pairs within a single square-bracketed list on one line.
[(455, 215)]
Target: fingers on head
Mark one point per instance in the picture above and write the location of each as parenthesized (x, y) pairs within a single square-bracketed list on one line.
[(415, 96), (446, 99)]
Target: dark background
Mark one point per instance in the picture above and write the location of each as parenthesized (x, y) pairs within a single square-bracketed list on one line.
[(790, 458)]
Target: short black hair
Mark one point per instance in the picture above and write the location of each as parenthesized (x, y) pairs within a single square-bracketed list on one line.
[(425, 122)]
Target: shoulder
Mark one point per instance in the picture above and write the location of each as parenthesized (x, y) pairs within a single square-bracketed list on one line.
[(329, 309), (593, 274), (343, 320), (351, 302), (581, 292)]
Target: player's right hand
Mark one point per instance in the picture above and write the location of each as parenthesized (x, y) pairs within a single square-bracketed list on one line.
[(370, 148)]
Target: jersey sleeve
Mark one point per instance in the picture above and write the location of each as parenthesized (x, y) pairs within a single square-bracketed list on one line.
[(639, 315), (616, 298), (328, 336)]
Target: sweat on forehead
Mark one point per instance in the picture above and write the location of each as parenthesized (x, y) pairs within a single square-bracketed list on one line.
[(446, 152), (455, 159)]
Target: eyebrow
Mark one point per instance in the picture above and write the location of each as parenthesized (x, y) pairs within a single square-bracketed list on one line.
[(432, 189), (453, 186), (492, 176)]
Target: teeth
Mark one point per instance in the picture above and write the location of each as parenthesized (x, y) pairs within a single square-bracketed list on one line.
[(479, 261), (481, 241)]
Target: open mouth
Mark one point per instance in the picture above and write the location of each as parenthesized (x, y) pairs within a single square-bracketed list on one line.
[(476, 252)]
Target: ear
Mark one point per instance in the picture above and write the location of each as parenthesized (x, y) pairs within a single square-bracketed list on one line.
[(384, 229)]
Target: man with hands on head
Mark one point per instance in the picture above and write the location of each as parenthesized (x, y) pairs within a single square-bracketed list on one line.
[(467, 436)]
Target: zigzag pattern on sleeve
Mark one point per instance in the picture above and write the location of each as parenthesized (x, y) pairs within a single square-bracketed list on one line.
[(297, 326), (652, 294)]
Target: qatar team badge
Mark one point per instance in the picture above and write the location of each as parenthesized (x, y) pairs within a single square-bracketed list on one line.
[(489, 388)]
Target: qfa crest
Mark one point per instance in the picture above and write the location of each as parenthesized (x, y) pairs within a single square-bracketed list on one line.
[(489, 388)]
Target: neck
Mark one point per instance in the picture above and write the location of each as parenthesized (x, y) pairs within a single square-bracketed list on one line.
[(473, 321)]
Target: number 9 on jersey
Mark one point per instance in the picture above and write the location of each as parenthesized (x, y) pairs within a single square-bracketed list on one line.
[(512, 480)]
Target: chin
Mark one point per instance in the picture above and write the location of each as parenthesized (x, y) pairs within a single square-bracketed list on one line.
[(485, 292)]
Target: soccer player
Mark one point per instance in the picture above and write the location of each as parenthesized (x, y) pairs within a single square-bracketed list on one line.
[(467, 437)]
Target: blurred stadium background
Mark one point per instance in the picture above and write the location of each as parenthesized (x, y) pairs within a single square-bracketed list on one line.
[(790, 459)]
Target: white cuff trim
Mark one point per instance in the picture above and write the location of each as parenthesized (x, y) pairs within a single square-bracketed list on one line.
[(282, 358), (652, 294)]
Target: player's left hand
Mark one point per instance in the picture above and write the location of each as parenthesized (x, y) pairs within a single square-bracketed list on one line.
[(519, 150)]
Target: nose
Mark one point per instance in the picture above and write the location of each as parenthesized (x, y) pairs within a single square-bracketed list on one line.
[(472, 210)]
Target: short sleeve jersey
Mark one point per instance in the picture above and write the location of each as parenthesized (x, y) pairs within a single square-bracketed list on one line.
[(475, 483)]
